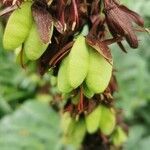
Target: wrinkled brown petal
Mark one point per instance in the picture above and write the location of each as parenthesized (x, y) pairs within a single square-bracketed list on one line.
[(43, 21), (132, 39), (133, 15), (113, 32), (119, 23), (101, 48)]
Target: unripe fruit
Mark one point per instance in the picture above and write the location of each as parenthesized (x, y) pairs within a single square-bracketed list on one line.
[(76, 133), (99, 72), (92, 120), (62, 80), (79, 132), (119, 136), (78, 62), (18, 27), (108, 120), (33, 46)]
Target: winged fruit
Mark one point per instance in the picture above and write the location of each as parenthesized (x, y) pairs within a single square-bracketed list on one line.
[(34, 47), (92, 120), (78, 62), (99, 72), (108, 120), (18, 27), (62, 80)]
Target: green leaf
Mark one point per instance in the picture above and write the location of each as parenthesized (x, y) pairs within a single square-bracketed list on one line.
[(135, 135), (34, 126)]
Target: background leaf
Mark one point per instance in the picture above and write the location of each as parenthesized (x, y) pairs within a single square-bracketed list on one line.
[(34, 126)]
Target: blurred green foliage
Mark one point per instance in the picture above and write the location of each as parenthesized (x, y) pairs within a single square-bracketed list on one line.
[(26, 120), (33, 125), (133, 74)]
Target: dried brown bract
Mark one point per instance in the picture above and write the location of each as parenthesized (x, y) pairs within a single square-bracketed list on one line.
[(120, 21), (11, 2), (43, 20)]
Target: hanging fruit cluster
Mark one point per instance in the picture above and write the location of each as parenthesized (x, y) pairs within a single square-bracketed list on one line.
[(72, 37), (21, 29)]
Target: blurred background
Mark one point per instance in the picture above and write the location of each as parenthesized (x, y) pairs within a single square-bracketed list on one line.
[(24, 96)]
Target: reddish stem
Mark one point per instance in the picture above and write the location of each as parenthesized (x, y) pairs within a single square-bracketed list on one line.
[(61, 53), (81, 102), (75, 11), (59, 58)]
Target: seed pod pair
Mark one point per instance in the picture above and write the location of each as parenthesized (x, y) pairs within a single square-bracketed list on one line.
[(22, 29), (101, 118), (85, 64)]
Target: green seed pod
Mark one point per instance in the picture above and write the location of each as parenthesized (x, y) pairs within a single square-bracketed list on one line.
[(34, 47), (119, 137), (78, 62), (87, 92), (62, 80), (18, 27), (76, 133), (107, 121), (99, 72), (92, 120)]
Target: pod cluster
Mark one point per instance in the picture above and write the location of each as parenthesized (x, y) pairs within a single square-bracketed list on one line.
[(21, 33), (102, 119), (84, 67)]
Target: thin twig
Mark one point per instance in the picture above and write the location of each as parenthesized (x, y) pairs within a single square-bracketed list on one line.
[(8, 10)]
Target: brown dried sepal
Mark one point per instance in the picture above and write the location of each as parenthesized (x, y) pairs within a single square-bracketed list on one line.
[(43, 20), (120, 21)]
